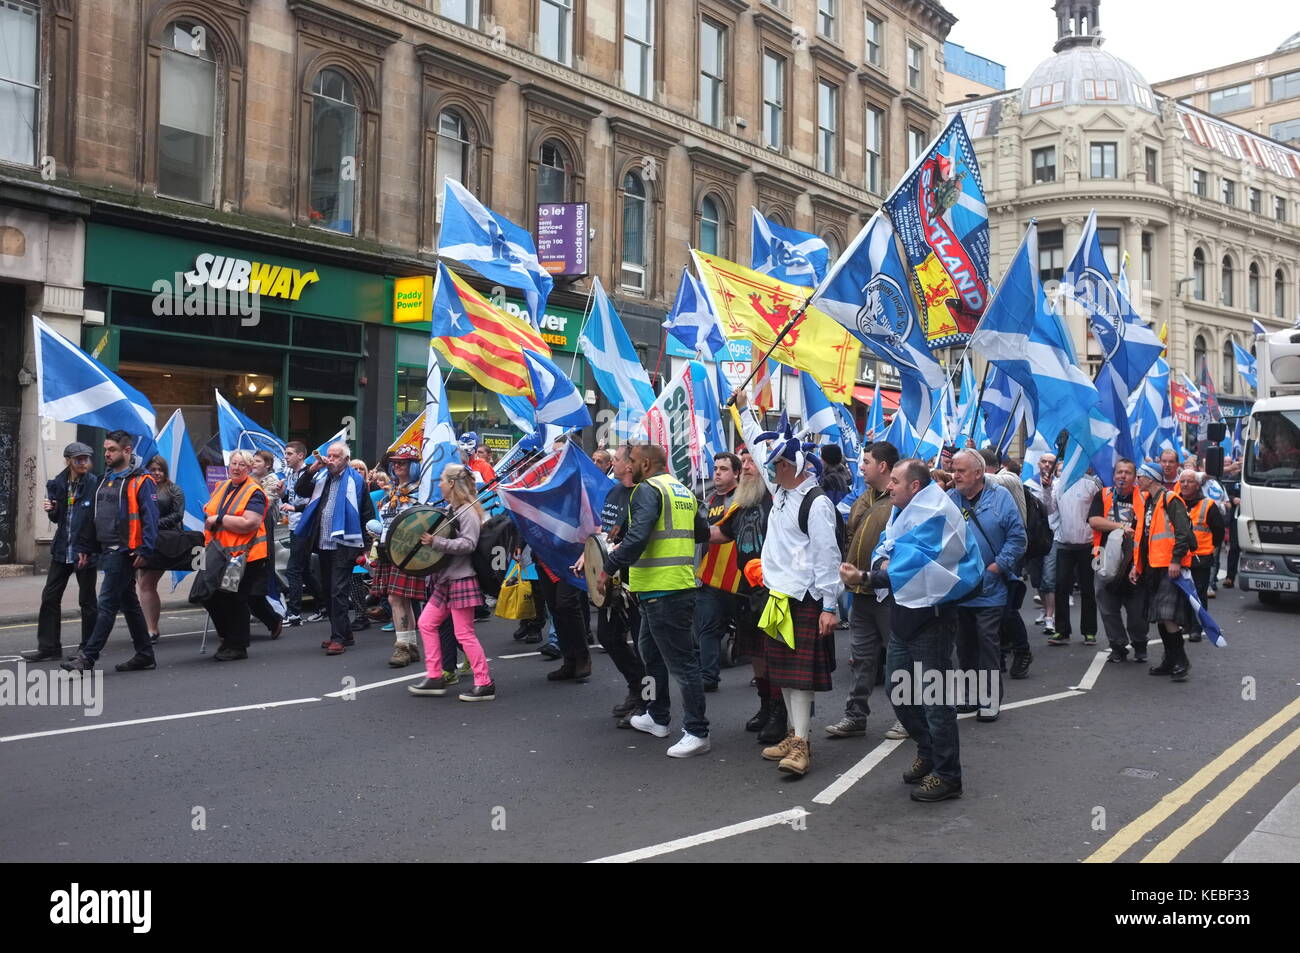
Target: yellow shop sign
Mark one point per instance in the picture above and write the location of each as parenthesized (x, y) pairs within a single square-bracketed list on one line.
[(412, 299)]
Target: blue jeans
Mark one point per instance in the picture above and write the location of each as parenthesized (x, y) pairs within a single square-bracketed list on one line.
[(117, 592), (932, 727), (713, 610), (667, 645)]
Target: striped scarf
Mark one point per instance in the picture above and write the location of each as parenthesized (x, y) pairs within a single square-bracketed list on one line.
[(345, 524)]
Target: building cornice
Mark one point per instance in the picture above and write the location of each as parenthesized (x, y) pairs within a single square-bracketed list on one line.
[(434, 58)]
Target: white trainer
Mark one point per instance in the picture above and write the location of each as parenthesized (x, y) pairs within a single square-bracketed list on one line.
[(649, 725), (897, 732), (689, 745)]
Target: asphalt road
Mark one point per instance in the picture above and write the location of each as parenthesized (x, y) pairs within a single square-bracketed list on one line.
[(543, 774)]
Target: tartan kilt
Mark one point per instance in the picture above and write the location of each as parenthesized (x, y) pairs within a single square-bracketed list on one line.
[(751, 641), (1166, 602), (809, 665), (391, 581), (455, 593)]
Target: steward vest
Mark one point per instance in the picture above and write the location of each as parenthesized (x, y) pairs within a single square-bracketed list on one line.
[(668, 561), (254, 541), (1199, 514), (134, 525), (1160, 546), (1139, 501)]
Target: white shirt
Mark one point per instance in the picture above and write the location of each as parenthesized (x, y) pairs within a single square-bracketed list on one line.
[(1072, 507), (794, 564)]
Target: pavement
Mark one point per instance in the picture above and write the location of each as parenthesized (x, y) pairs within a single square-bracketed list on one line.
[(295, 756), (20, 597)]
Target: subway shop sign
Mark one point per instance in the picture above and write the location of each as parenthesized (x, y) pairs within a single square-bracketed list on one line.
[(226, 273)]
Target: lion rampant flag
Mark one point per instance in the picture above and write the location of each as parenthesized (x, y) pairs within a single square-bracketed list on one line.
[(757, 306), (493, 351), (412, 438)]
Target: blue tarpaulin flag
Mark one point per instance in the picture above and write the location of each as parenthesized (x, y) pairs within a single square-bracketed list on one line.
[(240, 432), (492, 245), (1246, 365), (75, 388), (939, 212), (692, 320), (559, 508), (933, 554), (614, 361), (787, 253), (557, 400)]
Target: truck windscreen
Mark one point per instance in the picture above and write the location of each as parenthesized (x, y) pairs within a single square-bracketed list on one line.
[(1273, 458)]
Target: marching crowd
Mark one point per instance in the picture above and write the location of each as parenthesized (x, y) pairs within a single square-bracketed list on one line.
[(927, 567)]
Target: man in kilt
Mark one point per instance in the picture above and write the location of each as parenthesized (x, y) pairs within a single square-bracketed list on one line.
[(1165, 542), (801, 560)]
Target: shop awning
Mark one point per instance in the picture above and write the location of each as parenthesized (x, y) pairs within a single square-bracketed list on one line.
[(887, 397)]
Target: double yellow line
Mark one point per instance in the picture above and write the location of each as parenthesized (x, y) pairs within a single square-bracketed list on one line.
[(1208, 815)]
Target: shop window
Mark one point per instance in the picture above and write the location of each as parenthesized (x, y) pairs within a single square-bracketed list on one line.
[(335, 164), (20, 82), (187, 115), (314, 373), (324, 335)]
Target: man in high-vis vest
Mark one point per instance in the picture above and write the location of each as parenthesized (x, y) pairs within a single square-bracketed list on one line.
[(122, 532), (657, 557), (1164, 552), (1208, 529), (1119, 506)]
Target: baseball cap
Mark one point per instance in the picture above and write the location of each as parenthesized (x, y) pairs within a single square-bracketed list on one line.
[(77, 449)]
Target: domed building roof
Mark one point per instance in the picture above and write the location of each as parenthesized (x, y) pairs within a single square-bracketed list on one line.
[(1085, 75), (1290, 43)]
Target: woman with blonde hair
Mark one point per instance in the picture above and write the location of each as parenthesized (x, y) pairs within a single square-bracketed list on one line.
[(454, 590)]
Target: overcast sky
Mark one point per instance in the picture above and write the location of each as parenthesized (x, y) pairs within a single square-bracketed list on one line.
[(1161, 38)]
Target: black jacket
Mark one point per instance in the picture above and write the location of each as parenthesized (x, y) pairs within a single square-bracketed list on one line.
[(171, 506), (643, 514), (82, 510)]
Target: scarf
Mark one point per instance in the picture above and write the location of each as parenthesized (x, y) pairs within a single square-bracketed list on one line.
[(346, 524)]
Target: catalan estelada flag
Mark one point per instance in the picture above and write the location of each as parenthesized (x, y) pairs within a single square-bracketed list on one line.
[(757, 306), (492, 351)]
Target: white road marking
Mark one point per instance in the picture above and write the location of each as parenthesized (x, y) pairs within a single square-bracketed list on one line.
[(695, 840), (1094, 671), (366, 688), (857, 772), (145, 721), (520, 655)]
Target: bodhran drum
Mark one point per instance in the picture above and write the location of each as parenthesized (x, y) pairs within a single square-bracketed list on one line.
[(402, 544), (593, 564)]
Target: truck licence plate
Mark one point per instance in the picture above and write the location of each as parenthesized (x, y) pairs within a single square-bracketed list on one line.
[(1275, 585)]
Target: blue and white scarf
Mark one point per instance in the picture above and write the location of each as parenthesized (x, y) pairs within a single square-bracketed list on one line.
[(345, 527)]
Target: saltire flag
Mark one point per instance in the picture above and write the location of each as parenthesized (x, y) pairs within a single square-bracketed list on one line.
[(868, 291), (1088, 438), (820, 416), (493, 352), (1185, 399), (521, 412), (875, 427), (1246, 365), (1151, 418), (799, 258), (492, 245), (614, 361), (1212, 630), (934, 557), (1256, 328), (1004, 407), (556, 504), (73, 387), (410, 439), (905, 437), (969, 423), (939, 212), (691, 321), (437, 441), (686, 422), (183, 466), (340, 437), (1237, 445), (1127, 343), (758, 307), (240, 432), (556, 399), (1113, 408), (1037, 447), (817, 414)]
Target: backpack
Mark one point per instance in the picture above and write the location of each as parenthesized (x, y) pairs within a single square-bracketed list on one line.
[(841, 531), (1038, 530), (497, 541)]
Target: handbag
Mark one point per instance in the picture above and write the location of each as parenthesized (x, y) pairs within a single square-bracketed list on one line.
[(515, 600)]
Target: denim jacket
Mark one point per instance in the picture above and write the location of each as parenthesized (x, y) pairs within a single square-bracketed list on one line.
[(63, 546), (1001, 536)]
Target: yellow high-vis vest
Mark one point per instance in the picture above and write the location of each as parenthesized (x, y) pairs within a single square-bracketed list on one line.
[(668, 561)]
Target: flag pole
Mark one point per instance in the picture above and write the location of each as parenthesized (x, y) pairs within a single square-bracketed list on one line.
[(763, 360), (1007, 426), (586, 316)]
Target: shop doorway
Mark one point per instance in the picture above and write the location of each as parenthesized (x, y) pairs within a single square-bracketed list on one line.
[(314, 418), (13, 322)]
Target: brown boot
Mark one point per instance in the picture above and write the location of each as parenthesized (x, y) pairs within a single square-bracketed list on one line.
[(798, 760), (779, 751)]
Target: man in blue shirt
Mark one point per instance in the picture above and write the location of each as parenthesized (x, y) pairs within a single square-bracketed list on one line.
[(1001, 535)]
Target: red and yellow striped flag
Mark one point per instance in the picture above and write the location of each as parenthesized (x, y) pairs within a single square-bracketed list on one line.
[(493, 353)]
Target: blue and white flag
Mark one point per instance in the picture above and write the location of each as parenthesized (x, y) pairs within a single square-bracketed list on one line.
[(1004, 408), (948, 414), (558, 401), (905, 438), (787, 253), (558, 515), (875, 428), (1151, 418), (1256, 328), (240, 432), (447, 315), (818, 415), (934, 557), (174, 446), (1112, 408), (1237, 445), (438, 446), (1246, 365), (614, 362), (340, 437), (868, 291), (494, 246), (75, 388), (1212, 630), (692, 320), (969, 423)]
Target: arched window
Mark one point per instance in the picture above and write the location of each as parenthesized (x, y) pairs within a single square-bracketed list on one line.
[(710, 226), (1198, 275), (636, 216), (1252, 287), (553, 173), (1226, 281), (1198, 355), (335, 164), (187, 115), (832, 248), (1229, 368), (452, 157), (1279, 294)]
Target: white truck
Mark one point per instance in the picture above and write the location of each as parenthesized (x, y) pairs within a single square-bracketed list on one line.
[(1268, 522)]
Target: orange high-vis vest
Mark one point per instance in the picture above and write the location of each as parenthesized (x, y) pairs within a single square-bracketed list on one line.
[(1200, 517), (1107, 500), (134, 525), (254, 541), (1160, 547)]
